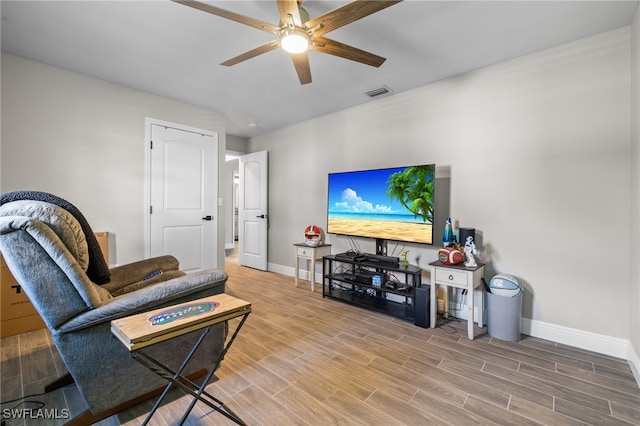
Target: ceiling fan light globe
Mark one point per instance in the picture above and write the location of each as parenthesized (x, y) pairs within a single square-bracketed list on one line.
[(295, 42)]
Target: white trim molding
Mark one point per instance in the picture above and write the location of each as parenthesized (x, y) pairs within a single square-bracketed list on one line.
[(607, 345)]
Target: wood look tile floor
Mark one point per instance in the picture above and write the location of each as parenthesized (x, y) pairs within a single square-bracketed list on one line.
[(304, 360)]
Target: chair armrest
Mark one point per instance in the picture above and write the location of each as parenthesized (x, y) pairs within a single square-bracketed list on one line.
[(122, 276), (166, 293)]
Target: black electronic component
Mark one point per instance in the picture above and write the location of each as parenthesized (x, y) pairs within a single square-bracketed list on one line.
[(382, 259), (363, 277), (422, 302)]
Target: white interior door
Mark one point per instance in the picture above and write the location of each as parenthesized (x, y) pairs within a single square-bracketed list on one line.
[(253, 220), (183, 191)]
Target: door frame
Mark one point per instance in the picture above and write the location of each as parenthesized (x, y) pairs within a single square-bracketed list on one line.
[(148, 122)]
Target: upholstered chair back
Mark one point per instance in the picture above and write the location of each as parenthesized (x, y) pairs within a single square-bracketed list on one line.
[(49, 259)]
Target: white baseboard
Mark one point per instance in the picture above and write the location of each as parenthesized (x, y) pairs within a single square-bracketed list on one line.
[(600, 343), (287, 270), (606, 345), (291, 272)]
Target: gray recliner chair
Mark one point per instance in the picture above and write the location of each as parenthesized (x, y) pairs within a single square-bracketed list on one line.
[(45, 248)]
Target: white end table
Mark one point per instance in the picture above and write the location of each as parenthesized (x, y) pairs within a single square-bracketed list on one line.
[(459, 276), (310, 254)]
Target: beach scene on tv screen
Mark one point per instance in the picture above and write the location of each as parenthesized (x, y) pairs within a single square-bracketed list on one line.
[(393, 204)]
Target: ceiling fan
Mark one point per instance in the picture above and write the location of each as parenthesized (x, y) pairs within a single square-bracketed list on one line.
[(296, 33)]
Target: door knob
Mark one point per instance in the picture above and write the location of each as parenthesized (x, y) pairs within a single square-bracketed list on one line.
[(262, 216), (207, 218)]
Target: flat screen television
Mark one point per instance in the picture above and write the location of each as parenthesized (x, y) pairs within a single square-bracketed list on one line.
[(394, 204)]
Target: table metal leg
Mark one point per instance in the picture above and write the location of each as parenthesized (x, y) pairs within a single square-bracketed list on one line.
[(176, 378), (163, 370), (211, 371)]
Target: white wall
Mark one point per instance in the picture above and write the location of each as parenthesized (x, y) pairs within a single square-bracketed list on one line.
[(537, 152), (83, 139), (237, 144), (634, 299)]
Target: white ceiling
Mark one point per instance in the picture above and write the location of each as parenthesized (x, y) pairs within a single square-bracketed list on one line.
[(172, 50)]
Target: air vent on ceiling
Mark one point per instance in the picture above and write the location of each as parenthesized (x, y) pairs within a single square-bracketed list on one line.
[(378, 91)]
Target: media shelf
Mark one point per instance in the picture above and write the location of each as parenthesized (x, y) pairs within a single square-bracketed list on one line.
[(380, 286)]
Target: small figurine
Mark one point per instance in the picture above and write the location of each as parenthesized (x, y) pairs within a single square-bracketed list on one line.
[(447, 235), (470, 252), (405, 262)]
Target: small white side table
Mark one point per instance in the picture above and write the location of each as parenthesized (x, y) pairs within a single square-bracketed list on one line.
[(310, 254), (459, 276)]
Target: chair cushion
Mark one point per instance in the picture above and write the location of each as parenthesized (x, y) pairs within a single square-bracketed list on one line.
[(62, 222), (165, 276)]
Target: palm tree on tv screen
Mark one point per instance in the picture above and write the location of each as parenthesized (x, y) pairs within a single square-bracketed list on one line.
[(413, 188)]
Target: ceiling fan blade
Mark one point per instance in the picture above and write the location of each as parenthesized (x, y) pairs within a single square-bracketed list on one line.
[(255, 23), (289, 8), (267, 47), (301, 62), (332, 47), (346, 14)]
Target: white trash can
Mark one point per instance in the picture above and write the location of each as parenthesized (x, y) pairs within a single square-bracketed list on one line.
[(504, 315)]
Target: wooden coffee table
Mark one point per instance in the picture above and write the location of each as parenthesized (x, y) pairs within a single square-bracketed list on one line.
[(141, 330)]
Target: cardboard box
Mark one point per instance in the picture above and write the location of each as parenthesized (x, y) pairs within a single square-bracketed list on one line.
[(103, 241), (17, 314), (21, 325)]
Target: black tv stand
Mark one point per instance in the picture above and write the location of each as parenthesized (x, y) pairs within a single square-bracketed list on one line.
[(385, 287)]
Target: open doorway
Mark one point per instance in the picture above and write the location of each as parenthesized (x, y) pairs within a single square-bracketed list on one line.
[(246, 186), (232, 184)]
